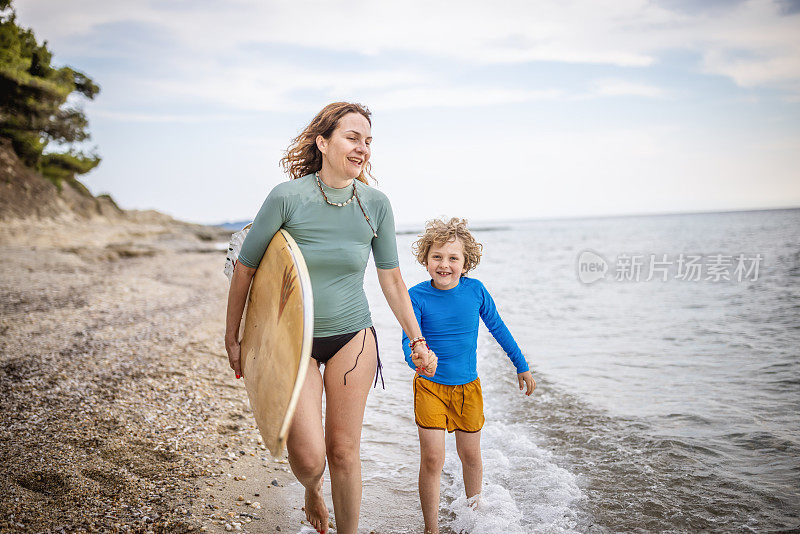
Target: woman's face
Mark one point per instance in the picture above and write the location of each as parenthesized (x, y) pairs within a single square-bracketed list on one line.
[(348, 149)]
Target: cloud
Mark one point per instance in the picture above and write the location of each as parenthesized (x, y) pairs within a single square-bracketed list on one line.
[(422, 97), (618, 87), (755, 45), (274, 86), (122, 116), (592, 32), (216, 51)]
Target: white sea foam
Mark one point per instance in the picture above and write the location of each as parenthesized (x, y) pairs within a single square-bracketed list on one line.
[(524, 488), (496, 511)]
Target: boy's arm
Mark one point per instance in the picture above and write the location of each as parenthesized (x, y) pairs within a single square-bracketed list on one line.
[(491, 318), (406, 339)]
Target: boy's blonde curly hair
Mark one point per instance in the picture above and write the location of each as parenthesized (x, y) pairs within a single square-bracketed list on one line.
[(440, 231)]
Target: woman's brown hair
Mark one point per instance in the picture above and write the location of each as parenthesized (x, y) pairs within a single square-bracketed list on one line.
[(303, 157), (440, 231)]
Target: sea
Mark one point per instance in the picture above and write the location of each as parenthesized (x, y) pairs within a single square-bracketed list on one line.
[(666, 352)]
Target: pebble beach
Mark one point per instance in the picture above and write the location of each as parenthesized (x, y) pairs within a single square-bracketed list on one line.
[(120, 412)]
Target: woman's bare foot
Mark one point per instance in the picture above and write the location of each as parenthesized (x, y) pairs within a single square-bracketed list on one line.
[(316, 511)]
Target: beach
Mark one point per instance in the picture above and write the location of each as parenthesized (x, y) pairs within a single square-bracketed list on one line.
[(660, 405), (120, 412)]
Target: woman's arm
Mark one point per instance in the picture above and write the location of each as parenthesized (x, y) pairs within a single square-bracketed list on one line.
[(240, 285), (268, 221), (396, 293)]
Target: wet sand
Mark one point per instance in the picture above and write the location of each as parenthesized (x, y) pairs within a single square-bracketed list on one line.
[(119, 412)]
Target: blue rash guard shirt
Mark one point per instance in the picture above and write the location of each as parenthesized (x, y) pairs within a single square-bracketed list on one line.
[(449, 321)]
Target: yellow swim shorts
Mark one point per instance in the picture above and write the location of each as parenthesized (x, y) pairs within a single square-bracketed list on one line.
[(448, 407)]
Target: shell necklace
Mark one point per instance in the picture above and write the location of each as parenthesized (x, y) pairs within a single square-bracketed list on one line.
[(339, 204), (343, 204)]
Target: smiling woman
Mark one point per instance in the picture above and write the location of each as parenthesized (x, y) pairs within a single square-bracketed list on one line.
[(337, 219), (352, 141)]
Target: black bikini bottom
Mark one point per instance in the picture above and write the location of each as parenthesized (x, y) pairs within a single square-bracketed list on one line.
[(324, 348)]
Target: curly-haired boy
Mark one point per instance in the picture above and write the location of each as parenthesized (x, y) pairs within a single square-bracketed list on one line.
[(447, 395)]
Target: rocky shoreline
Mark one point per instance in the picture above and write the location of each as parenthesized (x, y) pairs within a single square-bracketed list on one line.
[(119, 412)]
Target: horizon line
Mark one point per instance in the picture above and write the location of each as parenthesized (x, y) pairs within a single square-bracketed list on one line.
[(566, 217)]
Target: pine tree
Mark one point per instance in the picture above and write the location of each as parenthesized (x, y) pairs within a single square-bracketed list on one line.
[(33, 103)]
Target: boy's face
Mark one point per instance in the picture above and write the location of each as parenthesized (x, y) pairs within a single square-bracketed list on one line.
[(446, 263)]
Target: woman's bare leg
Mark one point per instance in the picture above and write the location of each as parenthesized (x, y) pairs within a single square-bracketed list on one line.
[(344, 413), (431, 462), (306, 447)]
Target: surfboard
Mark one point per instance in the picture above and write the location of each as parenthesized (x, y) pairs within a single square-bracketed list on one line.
[(277, 338)]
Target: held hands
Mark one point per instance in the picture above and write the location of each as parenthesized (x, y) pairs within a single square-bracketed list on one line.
[(526, 379), (424, 359), (428, 370)]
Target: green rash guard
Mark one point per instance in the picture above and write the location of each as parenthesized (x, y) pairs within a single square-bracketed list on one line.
[(335, 242)]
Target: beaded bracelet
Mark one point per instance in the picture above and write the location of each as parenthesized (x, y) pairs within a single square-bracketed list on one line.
[(413, 342)]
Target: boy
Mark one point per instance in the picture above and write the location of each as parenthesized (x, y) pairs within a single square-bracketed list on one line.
[(447, 394)]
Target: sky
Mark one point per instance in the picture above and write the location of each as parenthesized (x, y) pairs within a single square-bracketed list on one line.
[(485, 110)]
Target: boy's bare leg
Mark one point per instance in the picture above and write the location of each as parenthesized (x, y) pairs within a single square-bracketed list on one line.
[(431, 448), (468, 445), (306, 447), (344, 414)]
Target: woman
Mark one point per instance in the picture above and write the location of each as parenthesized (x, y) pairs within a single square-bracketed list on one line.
[(336, 219)]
